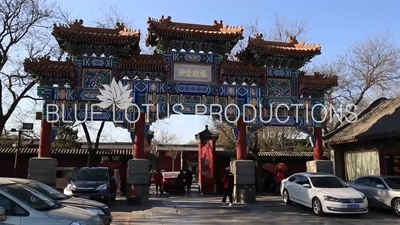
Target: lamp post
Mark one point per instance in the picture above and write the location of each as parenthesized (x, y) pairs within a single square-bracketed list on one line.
[(25, 126), (18, 146)]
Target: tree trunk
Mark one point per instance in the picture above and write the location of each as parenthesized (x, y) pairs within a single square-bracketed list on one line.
[(2, 124), (92, 151), (173, 164)]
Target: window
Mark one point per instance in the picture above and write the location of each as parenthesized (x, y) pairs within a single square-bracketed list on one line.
[(12, 208), (375, 181), (393, 182), (328, 182), (92, 174), (362, 181), (292, 179), (302, 180)]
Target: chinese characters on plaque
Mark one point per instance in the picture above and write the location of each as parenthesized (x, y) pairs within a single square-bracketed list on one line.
[(192, 73)]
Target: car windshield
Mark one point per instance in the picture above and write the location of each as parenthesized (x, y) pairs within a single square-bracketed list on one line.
[(91, 174), (30, 197), (170, 174), (47, 190), (393, 182), (328, 182)]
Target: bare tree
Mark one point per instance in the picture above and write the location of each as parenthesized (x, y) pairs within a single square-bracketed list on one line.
[(22, 35), (367, 70), (280, 29), (92, 150), (164, 137)]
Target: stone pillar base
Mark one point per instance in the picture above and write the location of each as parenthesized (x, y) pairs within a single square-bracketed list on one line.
[(138, 182), (245, 183), (324, 166), (43, 170)]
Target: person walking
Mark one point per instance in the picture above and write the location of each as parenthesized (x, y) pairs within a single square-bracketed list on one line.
[(188, 181), (158, 177), (228, 181), (181, 182), (279, 177)]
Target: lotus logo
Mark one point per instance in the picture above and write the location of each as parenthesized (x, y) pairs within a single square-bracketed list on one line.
[(352, 200)]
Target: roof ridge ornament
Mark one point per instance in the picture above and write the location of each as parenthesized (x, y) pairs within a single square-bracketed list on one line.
[(76, 24), (293, 40)]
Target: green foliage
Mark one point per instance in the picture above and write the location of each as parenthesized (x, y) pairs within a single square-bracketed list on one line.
[(7, 139), (67, 138), (303, 146)]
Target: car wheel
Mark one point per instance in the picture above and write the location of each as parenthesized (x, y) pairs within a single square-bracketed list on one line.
[(317, 207), (396, 206), (286, 197)]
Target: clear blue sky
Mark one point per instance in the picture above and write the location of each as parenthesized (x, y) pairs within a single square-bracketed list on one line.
[(333, 24)]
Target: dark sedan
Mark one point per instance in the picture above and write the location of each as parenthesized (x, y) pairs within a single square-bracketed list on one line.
[(99, 208), (170, 182), (95, 183)]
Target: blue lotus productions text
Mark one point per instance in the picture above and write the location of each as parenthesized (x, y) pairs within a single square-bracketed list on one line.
[(228, 113)]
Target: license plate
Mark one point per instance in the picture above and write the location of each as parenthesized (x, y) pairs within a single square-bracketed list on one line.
[(353, 206), (85, 197)]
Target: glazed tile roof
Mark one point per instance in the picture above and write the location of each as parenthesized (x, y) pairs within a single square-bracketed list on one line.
[(275, 154), (78, 33), (220, 151), (293, 47), (379, 120), (217, 31), (45, 65), (317, 81)]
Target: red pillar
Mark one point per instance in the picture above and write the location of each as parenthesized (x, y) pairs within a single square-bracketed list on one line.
[(241, 153), (318, 148), (45, 139), (138, 146)]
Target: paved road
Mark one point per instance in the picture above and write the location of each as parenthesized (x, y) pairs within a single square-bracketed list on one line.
[(197, 209)]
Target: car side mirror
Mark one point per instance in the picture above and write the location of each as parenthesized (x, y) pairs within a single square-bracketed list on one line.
[(2, 214), (306, 185), (380, 186)]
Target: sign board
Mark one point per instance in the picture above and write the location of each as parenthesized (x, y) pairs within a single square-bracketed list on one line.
[(27, 126), (196, 73)]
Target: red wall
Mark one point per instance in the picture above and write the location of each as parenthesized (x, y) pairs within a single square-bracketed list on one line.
[(165, 162)]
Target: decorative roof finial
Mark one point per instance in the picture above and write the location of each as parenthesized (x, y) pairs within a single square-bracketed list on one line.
[(293, 40)]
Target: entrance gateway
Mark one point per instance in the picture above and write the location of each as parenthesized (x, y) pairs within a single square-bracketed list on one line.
[(190, 67)]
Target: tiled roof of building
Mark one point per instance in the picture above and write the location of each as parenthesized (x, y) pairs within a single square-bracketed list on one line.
[(381, 119), (129, 152), (217, 31)]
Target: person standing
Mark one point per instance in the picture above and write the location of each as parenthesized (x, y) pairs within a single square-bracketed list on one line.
[(188, 179), (279, 177), (181, 182), (228, 181), (158, 177)]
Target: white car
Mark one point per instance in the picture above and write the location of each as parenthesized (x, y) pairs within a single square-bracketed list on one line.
[(324, 193)]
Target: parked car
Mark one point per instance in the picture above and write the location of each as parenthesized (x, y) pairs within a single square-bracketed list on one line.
[(95, 183), (100, 209), (21, 205), (170, 182), (324, 193), (381, 191)]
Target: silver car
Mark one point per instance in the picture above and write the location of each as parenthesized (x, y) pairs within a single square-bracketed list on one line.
[(21, 205), (381, 191)]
